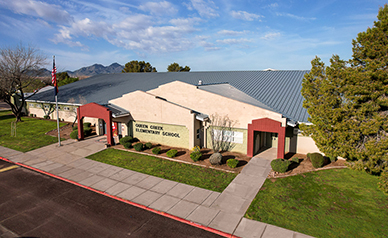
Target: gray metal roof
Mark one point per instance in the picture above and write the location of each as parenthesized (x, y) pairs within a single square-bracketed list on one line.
[(277, 90)]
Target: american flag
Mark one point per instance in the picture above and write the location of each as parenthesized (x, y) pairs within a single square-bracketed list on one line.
[(54, 77)]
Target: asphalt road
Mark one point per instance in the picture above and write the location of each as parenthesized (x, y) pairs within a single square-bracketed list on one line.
[(36, 205)]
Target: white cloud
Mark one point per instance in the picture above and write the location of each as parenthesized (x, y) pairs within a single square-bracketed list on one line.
[(295, 16), (136, 32), (232, 33), (243, 15), (273, 5), (204, 8), (159, 8), (233, 41), (48, 12), (271, 35)]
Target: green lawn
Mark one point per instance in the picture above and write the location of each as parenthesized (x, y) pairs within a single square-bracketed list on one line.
[(184, 173), (329, 203), (30, 133)]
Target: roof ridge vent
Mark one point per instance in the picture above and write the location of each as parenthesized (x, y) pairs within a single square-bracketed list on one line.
[(269, 69)]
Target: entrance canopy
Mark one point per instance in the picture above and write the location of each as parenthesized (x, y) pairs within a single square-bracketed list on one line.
[(96, 111), (266, 125)]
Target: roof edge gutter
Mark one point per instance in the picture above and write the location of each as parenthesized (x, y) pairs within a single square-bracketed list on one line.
[(62, 103)]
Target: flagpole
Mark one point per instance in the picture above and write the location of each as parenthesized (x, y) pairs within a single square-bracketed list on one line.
[(56, 103)]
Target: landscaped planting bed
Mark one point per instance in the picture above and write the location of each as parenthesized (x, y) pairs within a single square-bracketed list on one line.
[(206, 178)]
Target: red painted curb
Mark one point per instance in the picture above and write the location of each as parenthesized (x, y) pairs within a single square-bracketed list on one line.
[(215, 231)]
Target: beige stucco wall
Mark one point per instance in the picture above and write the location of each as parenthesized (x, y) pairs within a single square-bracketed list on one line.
[(148, 108), (65, 115), (209, 103), (306, 145)]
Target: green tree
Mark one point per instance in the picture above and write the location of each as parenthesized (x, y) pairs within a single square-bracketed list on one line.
[(62, 76), (138, 66), (175, 67), (348, 101)]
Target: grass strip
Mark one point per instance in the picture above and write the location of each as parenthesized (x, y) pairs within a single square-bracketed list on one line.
[(329, 203), (30, 133), (183, 173)]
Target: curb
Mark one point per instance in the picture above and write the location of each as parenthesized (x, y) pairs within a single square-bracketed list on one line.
[(209, 229)]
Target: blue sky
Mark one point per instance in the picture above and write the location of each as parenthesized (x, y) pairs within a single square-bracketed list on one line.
[(203, 34)]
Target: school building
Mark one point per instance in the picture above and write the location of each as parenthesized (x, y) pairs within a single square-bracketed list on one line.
[(176, 108)]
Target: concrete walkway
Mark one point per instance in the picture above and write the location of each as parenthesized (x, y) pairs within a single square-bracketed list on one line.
[(222, 211)]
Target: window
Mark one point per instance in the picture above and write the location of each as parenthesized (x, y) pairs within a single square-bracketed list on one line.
[(230, 136), (66, 108), (46, 106)]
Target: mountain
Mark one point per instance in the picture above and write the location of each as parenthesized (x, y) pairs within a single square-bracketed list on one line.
[(96, 69)]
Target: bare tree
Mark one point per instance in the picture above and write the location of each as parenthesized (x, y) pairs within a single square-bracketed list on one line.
[(19, 66), (221, 133)]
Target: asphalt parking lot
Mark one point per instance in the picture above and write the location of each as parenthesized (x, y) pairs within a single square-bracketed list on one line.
[(36, 205)]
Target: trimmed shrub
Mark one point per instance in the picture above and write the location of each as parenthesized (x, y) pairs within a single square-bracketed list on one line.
[(195, 156), (333, 159), (295, 160), (148, 145), (196, 149), (317, 160), (232, 163), (87, 124), (156, 150), (171, 153), (127, 145), (74, 135), (280, 165), (126, 139), (383, 184), (138, 146), (87, 131), (215, 159)]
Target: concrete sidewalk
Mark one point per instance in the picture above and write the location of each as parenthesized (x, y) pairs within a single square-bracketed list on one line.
[(222, 211)]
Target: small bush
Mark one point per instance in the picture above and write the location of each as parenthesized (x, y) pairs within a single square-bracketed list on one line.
[(127, 145), (87, 124), (232, 163), (126, 139), (156, 150), (171, 153), (333, 159), (383, 184), (195, 156), (74, 135), (75, 128), (295, 160), (317, 160), (280, 165), (31, 115), (308, 155), (138, 146), (196, 149), (46, 117), (148, 145), (87, 131)]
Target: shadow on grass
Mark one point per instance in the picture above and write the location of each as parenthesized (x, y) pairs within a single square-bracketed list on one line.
[(5, 117)]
